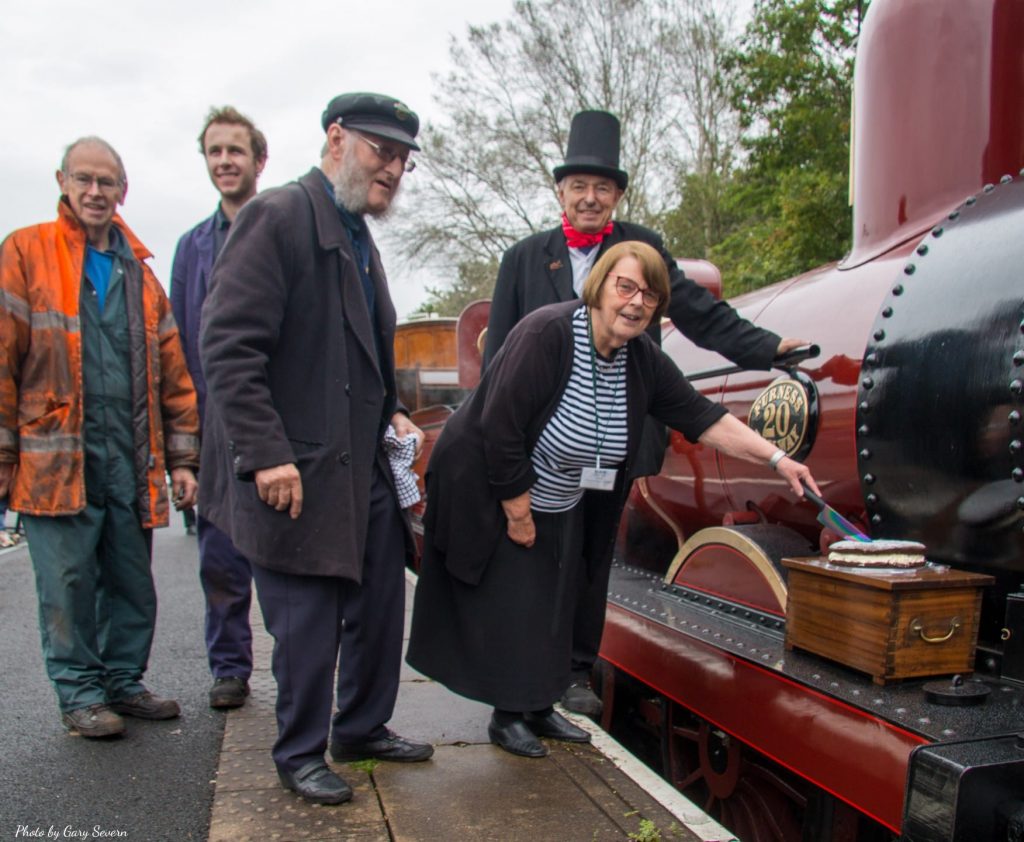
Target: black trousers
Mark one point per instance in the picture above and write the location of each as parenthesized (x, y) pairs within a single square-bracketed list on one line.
[(323, 623)]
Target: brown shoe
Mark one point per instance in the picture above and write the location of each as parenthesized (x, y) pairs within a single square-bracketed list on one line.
[(145, 705), (93, 721)]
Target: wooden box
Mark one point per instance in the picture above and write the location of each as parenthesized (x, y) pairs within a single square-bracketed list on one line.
[(891, 624)]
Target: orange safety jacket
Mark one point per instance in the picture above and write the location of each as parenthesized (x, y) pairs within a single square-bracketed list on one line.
[(41, 410)]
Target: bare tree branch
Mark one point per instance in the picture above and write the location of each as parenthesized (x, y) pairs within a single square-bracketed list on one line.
[(502, 118)]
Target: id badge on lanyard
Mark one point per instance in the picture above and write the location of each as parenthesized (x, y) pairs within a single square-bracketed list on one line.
[(598, 478)]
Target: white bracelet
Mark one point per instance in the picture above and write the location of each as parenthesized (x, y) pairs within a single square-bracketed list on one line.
[(777, 457)]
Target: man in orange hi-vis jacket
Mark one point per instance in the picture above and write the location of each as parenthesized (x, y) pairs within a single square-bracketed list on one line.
[(96, 404)]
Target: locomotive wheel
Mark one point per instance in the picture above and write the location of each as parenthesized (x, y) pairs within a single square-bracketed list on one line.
[(745, 793)]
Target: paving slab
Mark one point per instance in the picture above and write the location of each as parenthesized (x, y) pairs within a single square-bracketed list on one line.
[(430, 712), (469, 790), (482, 793), (274, 814)]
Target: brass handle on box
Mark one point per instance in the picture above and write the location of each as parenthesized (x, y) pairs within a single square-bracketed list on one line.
[(1005, 634), (917, 626)]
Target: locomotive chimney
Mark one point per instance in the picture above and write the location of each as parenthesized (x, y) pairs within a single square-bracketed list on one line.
[(938, 87)]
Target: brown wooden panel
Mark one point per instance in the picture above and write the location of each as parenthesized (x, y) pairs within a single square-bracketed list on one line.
[(426, 344), (936, 613)]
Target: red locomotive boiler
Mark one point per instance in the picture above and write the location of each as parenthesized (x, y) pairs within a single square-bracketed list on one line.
[(912, 419)]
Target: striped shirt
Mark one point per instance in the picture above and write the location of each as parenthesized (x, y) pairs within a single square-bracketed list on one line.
[(579, 432)]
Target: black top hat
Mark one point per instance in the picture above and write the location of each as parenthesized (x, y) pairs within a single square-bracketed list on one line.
[(375, 113), (594, 147)]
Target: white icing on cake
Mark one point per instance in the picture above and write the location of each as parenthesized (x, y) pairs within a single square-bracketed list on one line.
[(883, 553)]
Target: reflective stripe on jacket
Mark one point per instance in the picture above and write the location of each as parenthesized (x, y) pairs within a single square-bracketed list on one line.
[(41, 413)]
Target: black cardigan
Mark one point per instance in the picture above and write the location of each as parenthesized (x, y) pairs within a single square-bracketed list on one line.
[(483, 454)]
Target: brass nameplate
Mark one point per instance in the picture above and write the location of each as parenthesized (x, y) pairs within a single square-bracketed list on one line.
[(781, 414)]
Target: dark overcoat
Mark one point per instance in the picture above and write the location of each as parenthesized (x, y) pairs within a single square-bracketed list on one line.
[(537, 271), (292, 372)]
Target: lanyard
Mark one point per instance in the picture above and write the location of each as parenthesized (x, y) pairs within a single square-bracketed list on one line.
[(593, 384)]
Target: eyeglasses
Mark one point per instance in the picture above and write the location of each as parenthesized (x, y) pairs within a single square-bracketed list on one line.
[(387, 155), (627, 288), (104, 182), (604, 190)]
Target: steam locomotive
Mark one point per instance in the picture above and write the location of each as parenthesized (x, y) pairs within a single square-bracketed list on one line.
[(911, 418)]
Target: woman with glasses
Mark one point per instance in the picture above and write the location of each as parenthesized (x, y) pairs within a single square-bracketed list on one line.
[(526, 485)]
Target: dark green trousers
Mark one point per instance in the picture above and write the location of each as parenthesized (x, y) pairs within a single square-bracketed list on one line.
[(97, 603)]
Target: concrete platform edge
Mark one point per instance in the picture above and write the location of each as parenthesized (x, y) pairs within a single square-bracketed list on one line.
[(688, 814)]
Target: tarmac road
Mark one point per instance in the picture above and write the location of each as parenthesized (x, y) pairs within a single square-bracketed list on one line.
[(153, 784)]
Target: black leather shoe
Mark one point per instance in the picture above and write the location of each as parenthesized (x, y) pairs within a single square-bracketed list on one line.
[(389, 747), (556, 727), (229, 692), (516, 738), (317, 784), (579, 698)]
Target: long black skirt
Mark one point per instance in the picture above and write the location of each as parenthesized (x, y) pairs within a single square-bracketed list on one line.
[(507, 641)]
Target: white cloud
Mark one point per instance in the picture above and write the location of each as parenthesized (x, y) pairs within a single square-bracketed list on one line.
[(142, 75)]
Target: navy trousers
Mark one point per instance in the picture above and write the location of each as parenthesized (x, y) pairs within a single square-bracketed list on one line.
[(321, 624), (226, 577)]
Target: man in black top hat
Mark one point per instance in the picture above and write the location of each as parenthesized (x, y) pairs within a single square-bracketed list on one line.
[(552, 266), (297, 344)]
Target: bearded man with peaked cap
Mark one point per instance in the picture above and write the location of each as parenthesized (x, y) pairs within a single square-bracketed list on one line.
[(297, 346)]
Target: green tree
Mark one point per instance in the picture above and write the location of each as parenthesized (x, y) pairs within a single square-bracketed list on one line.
[(485, 179), (786, 208), (700, 220)]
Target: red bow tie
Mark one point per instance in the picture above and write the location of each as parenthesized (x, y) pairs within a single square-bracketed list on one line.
[(577, 239)]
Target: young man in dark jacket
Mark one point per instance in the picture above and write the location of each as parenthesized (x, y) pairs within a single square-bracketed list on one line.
[(235, 152)]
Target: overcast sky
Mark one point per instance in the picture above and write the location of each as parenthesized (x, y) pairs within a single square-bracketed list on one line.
[(142, 74)]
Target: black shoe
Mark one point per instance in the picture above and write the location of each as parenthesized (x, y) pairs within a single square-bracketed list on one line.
[(516, 738), (145, 705), (93, 721), (579, 698), (389, 747), (555, 726), (317, 784), (229, 692)]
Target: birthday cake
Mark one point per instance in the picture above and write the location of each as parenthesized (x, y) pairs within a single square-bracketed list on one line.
[(883, 553)]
